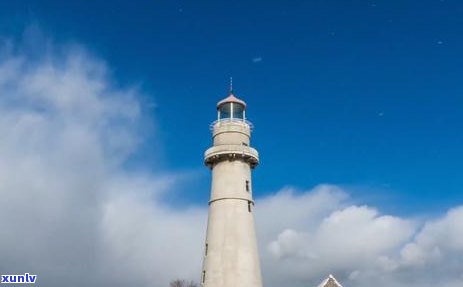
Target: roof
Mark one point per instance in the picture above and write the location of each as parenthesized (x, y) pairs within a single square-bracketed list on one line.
[(330, 282), (231, 99)]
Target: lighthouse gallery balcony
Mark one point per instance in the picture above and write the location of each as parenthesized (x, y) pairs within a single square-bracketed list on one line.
[(228, 152)]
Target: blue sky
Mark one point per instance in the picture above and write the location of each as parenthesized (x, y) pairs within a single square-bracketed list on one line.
[(105, 113), (362, 94)]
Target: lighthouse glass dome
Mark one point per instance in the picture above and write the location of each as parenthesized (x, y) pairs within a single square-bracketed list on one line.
[(225, 111), (238, 111), (231, 111)]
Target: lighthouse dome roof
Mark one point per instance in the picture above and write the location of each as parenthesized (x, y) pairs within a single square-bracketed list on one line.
[(231, 99)]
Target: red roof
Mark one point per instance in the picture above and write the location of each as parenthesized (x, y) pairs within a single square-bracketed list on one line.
[(231, 99)]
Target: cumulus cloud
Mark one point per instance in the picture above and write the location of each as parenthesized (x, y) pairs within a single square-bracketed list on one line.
[(73, 214), (341, 238), (69, 210), (357, 243)]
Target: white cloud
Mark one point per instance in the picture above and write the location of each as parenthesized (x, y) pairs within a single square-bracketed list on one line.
[(67, 204), (340, 238), (357, 243), (69, 208)]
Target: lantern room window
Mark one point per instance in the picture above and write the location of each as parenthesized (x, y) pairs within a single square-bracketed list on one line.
[(226, 111), (231, 111), (231, 108), (238, 111)]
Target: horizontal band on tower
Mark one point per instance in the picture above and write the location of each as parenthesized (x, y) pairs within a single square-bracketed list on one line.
[(230, 152), (238, 198)]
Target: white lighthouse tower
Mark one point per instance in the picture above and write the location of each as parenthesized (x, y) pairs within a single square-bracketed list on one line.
[(230, 255)]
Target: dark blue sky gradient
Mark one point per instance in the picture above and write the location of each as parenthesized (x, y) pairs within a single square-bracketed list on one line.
[(365, 94)]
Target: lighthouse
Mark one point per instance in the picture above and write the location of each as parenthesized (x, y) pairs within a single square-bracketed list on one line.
[(231, 257)]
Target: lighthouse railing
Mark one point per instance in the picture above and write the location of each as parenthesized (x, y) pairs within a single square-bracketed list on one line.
[(231, 120)]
